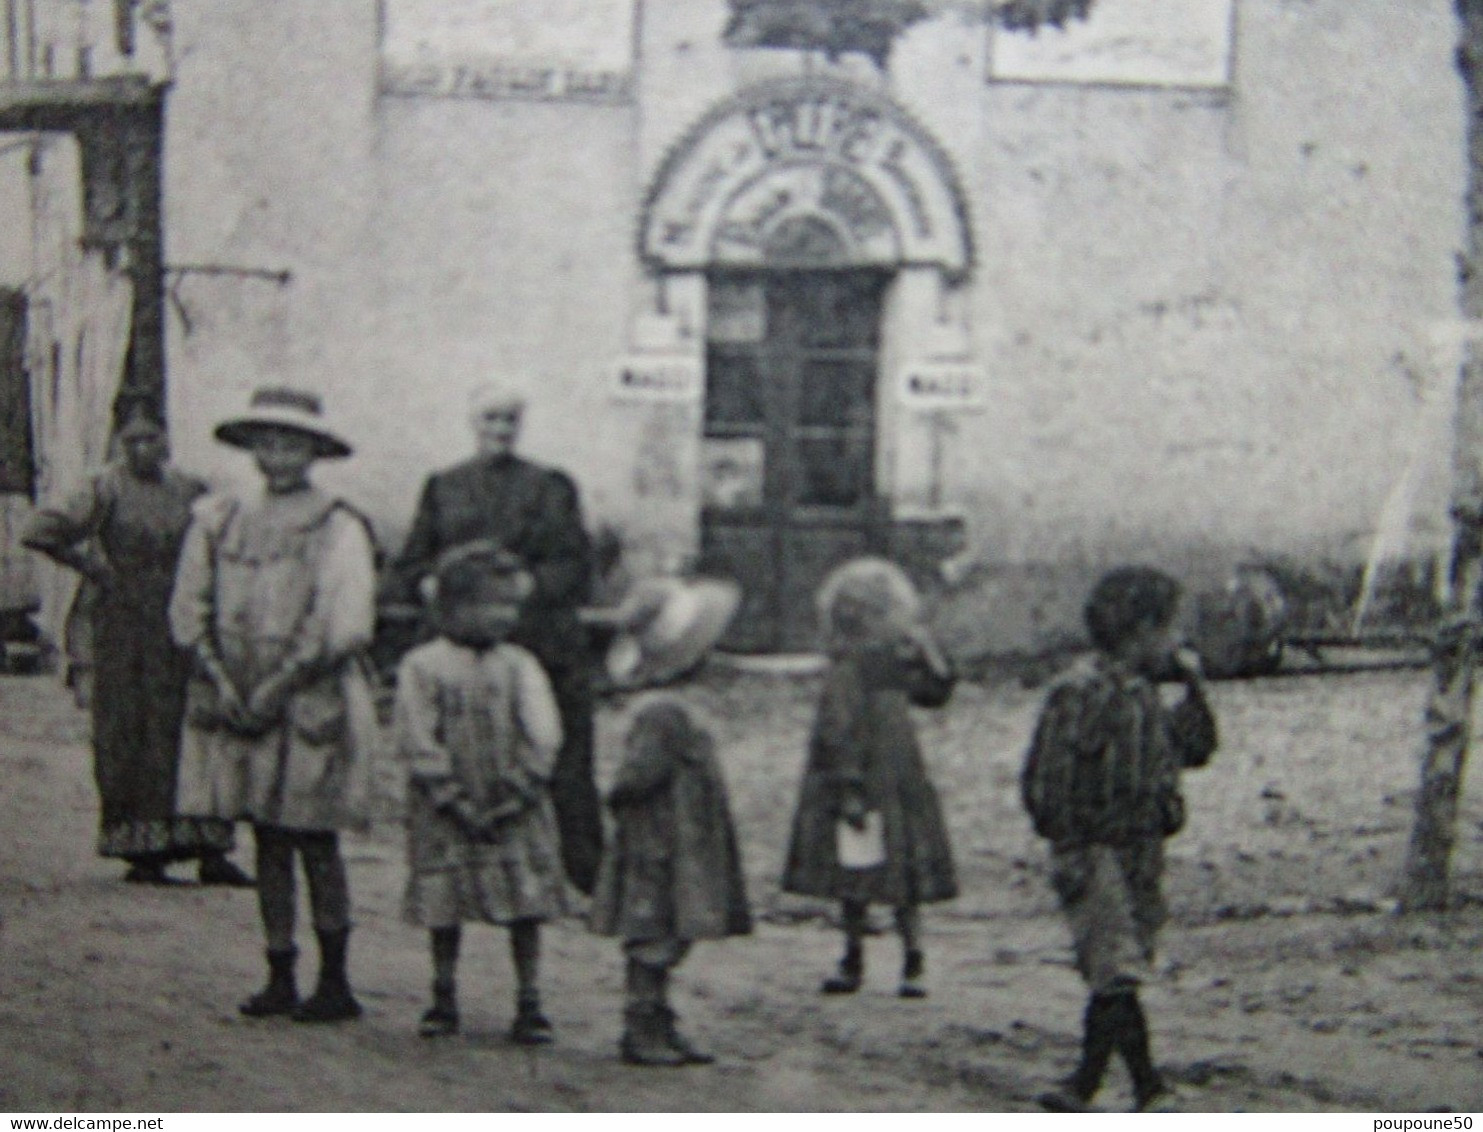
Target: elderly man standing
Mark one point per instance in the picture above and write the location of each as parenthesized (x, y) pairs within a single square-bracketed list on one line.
[(534, 513)]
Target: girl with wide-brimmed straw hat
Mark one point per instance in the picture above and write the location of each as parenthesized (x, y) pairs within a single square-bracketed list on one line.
[(275, 600)]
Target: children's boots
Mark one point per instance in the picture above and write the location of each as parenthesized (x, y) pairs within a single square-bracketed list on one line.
[(851, 971), (331, 1000), (648, 1023), (441, 1019), (281, 995), (678, 1042), (531, 1027), (646, 1039), (913, 966)]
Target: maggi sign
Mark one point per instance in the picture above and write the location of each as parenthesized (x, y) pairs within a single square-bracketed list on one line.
[(942, 385)]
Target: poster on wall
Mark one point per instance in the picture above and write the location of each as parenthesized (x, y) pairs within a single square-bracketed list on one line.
[(732, 470), (942, 385), (577, 50), (1129, 42)]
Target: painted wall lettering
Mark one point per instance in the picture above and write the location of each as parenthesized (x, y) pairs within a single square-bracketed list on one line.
[(840, 157), (578, 50)]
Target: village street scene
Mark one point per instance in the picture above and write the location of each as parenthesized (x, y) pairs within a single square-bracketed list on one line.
[(740, 555)]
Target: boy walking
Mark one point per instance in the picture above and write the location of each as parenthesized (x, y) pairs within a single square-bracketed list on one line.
[(1101, 784)]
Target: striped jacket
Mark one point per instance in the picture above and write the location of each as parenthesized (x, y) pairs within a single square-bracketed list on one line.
[(1103, 767)]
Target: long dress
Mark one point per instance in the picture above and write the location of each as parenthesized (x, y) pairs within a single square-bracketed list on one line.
[(264, 582), (481, 725), (135, 527), (864, 743)]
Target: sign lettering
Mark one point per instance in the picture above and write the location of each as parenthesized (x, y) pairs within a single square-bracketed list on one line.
[(579, 50), (815, 151), (657, 379), (942, 386), (497, 79)]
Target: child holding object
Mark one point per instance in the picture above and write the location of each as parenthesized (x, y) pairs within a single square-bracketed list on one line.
[(1101, 784), (478, 725), (671, 874), (868, 828)]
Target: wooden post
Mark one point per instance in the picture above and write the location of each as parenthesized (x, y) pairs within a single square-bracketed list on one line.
[(1426, 886), (1426, 879)]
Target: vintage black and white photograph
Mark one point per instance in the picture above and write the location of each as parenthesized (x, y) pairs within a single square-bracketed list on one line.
[(741, 555)]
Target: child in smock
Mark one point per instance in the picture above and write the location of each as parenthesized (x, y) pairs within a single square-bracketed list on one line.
[(671, 873), (478, 726), (868, 828)]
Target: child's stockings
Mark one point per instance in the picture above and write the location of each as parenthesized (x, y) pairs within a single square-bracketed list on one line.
[(441, 1019), (909, 926), (854, 915), (531, 1027)]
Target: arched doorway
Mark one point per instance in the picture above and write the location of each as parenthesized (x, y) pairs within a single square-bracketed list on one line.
[(789, 486), (799, 203)]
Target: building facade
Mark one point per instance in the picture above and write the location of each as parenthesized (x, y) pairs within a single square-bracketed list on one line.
[(1178, 282)]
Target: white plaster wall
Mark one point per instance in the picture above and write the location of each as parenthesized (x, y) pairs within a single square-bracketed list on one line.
[(504, 232), (1205, 317), (268, 166), (15, 206)]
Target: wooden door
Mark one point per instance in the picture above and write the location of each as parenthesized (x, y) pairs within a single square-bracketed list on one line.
[(789, 449)]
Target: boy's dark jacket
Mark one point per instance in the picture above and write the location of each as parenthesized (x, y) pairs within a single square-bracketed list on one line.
[(1103, 767), (672, 869)]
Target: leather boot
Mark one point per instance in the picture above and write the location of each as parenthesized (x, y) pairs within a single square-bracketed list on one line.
[(645, 1040), (645, 1026), (281, 995), (531, 1027), (851, 971), (331, 1000), (441, 1019), (912, 969), (679, 1043)]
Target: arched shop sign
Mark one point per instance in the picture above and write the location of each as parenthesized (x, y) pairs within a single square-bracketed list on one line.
[(814, 170)]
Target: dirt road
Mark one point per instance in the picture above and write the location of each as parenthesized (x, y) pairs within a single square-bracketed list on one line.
[(1286, 985)]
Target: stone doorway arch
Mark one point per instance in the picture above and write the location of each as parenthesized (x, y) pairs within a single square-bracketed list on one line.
[(797, 209)]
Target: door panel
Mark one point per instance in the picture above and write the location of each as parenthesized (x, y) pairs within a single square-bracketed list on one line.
[(733, 390), (747, 553), (832, 472), (789, 443), (808, 552)]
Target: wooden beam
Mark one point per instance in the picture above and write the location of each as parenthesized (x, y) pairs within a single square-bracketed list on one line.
[(55, 105)]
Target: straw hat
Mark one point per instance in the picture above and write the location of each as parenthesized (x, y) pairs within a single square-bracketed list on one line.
[(282, 407), (671, 624)]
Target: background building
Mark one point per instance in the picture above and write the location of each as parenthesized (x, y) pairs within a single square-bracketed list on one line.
[(1176, 284)]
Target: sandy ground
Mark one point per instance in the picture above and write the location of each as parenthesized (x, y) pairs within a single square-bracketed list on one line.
[(1285, 984)]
